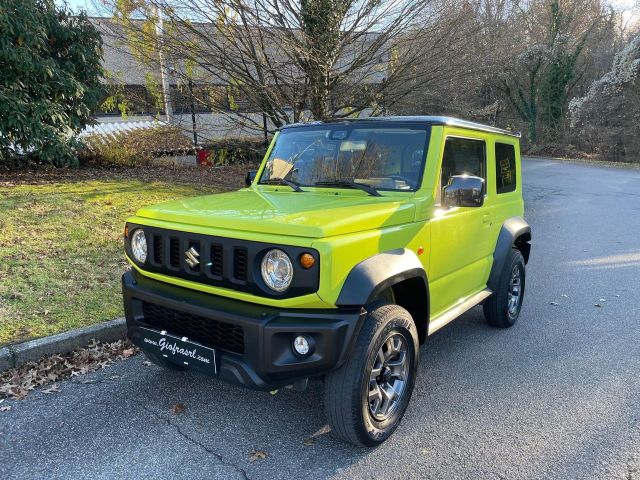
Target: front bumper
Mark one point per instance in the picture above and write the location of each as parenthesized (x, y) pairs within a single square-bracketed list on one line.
[(252, 342)]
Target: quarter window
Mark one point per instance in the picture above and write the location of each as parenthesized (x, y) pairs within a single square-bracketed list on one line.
[(505, 168), (463, 156)]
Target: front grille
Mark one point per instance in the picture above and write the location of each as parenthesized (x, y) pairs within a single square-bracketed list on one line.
[(211, 333), (168, 254), (231, 263)]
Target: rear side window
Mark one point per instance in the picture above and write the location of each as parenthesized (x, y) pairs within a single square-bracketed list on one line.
[(505, 168)]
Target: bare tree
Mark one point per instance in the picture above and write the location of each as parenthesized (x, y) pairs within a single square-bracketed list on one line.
[(541, 78), (609, 113), (290, 59)]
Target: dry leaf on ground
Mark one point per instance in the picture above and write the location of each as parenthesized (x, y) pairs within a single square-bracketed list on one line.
[(177, 408), (258, 455), (129, 352), (5, 408), (310, 440), (52, 389)]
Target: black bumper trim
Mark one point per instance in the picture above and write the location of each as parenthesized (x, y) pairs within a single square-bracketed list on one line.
[(268, 361)]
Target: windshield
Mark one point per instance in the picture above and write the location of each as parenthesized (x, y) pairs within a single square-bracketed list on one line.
[(386, 157)]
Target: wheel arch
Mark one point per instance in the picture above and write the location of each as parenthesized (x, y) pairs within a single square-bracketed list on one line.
[(399, 270), (515, 233)]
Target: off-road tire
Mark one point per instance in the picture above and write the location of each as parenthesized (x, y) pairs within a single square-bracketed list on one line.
[(161, 362), (346, 399), (496, 307)]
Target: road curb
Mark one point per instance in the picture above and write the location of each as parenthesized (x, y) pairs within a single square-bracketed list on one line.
[(33, 350), (6, 359)]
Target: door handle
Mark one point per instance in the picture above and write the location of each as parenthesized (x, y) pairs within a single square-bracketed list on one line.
[(486, 219)]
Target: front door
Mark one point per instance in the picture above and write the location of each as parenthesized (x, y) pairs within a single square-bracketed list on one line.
[(461, 250)]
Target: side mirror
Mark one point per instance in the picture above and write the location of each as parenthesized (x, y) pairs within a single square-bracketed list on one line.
[(250, 177), (463, 191)]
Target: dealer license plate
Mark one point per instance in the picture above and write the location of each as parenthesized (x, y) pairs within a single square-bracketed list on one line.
[(179, 350)]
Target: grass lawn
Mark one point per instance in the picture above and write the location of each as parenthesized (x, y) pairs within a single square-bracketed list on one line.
[(61, 254)]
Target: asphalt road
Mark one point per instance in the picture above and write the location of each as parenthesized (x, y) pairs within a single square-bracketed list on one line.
[(556, 396)]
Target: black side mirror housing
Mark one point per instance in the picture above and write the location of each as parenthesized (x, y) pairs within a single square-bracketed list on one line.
[(250, 177), (463, 191)]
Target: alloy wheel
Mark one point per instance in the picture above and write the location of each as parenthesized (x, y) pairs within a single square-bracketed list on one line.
[(389, 376), (515, 291)]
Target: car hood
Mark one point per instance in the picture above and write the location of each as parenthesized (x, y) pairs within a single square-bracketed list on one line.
[(303, 214)]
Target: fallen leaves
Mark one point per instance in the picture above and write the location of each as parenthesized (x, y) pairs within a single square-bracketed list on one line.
[(16, 383), (129, 352), (5, 408), (311, 440), (258, 455), (52, 389), (177, 408)]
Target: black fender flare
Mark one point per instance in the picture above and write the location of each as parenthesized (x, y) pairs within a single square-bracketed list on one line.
[(372, 276), (375, 274), (516, 232)]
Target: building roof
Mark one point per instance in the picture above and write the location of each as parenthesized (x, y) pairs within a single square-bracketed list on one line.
[(432, 120)]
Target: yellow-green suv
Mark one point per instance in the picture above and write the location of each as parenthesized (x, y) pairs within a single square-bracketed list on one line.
[(353, 242)]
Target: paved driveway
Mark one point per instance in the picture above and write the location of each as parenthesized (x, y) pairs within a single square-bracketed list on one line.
[(556, 396)]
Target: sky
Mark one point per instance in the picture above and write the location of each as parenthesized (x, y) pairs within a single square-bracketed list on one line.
[(630, 8), (87, 5)]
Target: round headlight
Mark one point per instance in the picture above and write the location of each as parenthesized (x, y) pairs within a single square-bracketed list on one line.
[(139, 245), (277, 270)]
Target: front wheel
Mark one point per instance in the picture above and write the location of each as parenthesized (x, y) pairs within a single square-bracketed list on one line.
[(366, 398)]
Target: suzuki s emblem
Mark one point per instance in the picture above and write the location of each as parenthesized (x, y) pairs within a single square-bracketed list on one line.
[(192, 257)]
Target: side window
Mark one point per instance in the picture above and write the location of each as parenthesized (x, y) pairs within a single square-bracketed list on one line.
[(505, 168), (463, 156)]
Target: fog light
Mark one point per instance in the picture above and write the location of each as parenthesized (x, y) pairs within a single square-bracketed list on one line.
[(301, 345)]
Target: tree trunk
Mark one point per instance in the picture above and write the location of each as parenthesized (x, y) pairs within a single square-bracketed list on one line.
[(320, 97)]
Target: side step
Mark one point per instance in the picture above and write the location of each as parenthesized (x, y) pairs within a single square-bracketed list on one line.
[(454, 312)]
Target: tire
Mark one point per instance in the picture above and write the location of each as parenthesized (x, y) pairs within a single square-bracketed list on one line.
[(499, 309), (161, 362), (348, 389)]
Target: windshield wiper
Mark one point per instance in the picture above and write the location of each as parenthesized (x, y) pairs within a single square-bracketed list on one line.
[(282, 181), (346, 183)]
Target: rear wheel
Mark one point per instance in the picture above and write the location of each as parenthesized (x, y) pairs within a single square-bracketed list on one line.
[(366, 398), (502, 308)]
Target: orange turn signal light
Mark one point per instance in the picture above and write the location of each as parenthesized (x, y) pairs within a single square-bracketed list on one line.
[(307, 261), (126, 231)]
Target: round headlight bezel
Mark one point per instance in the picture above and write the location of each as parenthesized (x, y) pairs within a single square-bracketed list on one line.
[(270, 270), (138, 245)]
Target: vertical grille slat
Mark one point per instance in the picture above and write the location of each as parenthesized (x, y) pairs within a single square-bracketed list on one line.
[(240, 263), (217, 260), (174, 252), (157, 249)]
